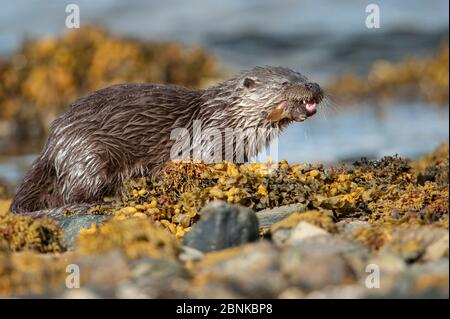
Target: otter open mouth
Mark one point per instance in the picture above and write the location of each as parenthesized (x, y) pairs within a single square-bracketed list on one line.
[(297, 110)]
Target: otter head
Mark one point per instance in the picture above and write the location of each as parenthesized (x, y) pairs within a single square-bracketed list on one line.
[(279, 94)]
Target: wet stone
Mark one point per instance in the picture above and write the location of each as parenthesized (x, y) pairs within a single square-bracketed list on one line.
[(73, 224), (103, 272), (153, 278), (270, 216), (329, 245), (251, 271), (303, 231), (351, 226), (281, 236), (316, 271), (419, 243), (222, 226), (190, 254)]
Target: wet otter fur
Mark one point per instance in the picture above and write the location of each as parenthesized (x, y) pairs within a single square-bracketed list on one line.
[(125, 130)]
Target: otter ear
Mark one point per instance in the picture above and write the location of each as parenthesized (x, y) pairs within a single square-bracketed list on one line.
[(249, 83)]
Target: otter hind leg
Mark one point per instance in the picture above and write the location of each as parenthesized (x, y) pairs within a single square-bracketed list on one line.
[(74, 187), (88, 180)]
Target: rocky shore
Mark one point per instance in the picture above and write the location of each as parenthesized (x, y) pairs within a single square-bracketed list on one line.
[(371, 229)]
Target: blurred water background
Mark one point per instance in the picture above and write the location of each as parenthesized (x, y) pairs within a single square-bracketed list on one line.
[(322, 39)]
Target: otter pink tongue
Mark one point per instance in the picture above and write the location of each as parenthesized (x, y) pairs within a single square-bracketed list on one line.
[(310, 108)]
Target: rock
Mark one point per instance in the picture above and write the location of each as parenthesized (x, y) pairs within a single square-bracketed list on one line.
[(270, 216), (431, 279), (130, 291), (418, 242), (80, 293), (329, 245), (250, 271), (222, 226), (215, 290), (292, 293), (153, 278), (312, 221), (190, 254), (339, 292), (156, 270), (426, 280), (281, 236), (113, 275), (102, 273), (388, 263), (315, 271), (383, 275), (73, 224), (349, 227), (440, 266), (305, 230)]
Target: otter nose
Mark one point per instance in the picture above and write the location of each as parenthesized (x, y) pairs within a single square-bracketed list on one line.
[(313, 87)]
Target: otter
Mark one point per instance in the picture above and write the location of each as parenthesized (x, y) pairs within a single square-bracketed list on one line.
[(124, 131)]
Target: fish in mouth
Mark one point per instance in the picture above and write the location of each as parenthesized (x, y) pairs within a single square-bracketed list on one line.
[(295, 110)]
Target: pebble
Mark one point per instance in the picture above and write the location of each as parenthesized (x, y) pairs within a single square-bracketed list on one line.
[(252, 270), (270, 216), (73, 224), (222, 226), (305, 230)]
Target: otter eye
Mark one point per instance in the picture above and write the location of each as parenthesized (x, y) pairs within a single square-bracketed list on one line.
[(285, 83), (249, 83)]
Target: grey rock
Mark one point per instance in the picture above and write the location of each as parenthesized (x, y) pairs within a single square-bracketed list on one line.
[(130, 291), (268, 217), (102, 273), (80, 293), (329, 245), (152, 270), (190, 254), (353, 291), (216, 290), (222, 226), (293, 236), (281, 236), (388, 263), (316, 271), (153, 278), (419, 243), (252, 272), (73, 224), (431, 279), (305, 230), (351, 226), (435, 267), (292, 293)]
